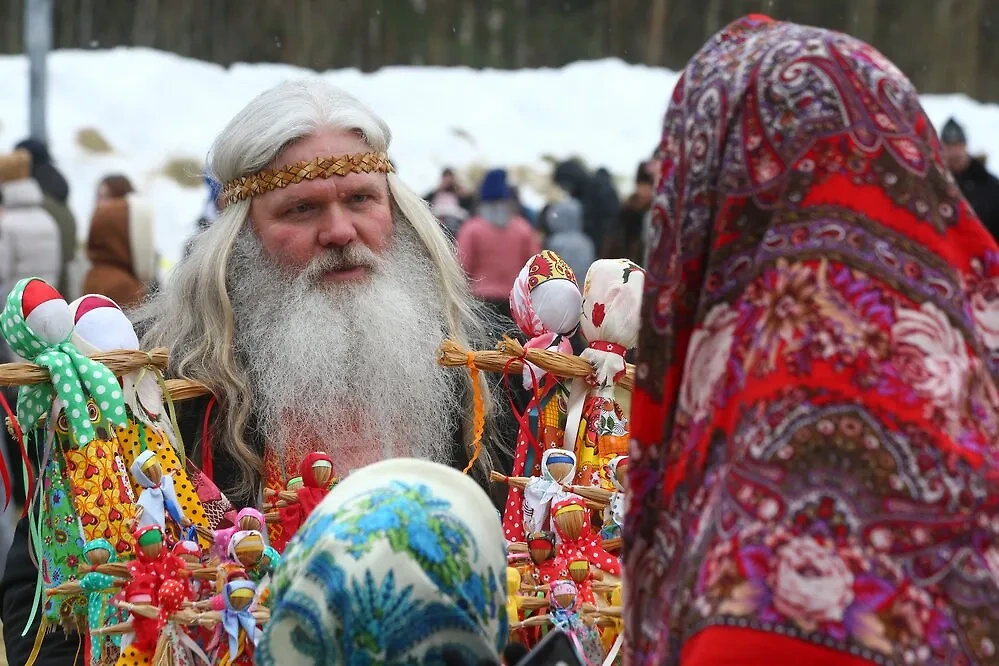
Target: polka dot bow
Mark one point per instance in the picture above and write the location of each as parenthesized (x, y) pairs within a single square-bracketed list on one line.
[(37, 324)]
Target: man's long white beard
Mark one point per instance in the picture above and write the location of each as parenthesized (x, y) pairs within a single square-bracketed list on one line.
[(347, 368)]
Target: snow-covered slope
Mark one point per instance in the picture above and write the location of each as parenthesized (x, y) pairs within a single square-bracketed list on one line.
[(152, 107)]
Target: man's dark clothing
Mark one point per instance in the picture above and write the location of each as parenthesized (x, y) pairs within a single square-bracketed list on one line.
[(981, 189), (17, 588)]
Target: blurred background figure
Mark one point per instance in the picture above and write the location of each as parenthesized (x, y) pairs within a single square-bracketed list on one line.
[(55, 197), (30, 245), (448, 190), (208, 214), (495, 244), (31, 235), (978, 186), (564, 222), (121, 250), (115, 186), (627, 238), (449, 212)]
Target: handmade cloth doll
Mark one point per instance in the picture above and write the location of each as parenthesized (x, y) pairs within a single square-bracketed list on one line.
[(246, 547), (596, 423), (565, 608), (269, 560), (158, 497), (246, 519), (557, 467), (577, 542), (405, 559), (545, 303), (317, 478), (101, 326), (151, 568), (99, 588), (85, 488), (613, 502), (238, 633)]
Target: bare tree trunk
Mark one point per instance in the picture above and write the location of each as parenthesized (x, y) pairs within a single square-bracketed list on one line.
[(144, 25), (712, 18), (862, 19), (86, 19), (657, 30)]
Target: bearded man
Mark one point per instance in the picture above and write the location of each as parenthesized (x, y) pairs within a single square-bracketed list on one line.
[(313, 309)]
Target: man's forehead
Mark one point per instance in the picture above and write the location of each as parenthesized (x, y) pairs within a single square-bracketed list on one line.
[(324, 186)]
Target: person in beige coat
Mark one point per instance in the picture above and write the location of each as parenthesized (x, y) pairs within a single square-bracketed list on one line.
[(31, 235)]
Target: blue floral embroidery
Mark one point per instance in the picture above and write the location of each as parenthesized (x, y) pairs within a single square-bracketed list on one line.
[(377, 620)]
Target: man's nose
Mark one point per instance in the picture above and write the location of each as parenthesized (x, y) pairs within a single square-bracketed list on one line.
[(335, 228)]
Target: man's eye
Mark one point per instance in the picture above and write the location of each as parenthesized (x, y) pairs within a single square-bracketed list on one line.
[(358, 198), (301, 208)]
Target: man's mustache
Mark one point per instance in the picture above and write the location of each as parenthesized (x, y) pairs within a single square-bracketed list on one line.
[(344, 258)]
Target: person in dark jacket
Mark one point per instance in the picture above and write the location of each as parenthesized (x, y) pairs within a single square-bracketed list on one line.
[(597, 194), (314, 313), (978, 186), (448, 189), (626, 239)]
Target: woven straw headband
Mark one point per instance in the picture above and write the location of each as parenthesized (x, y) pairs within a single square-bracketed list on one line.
[(268, 180)]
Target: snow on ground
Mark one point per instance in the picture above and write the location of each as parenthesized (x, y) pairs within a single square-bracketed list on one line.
[(153, 106)]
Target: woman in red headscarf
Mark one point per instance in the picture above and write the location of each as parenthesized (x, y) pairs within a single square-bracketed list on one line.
[(813, 479)]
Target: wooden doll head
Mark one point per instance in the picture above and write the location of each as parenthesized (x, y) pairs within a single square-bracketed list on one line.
[(579, 570), (239, 594), (295, 482), (247, 547), (322, 470), (563, 594), (250, 519), (317, 470), (561, 465), (98, 551), (147, 470), (618, 472), (188, 551), (542, 546), (569, 517), (150, 542)]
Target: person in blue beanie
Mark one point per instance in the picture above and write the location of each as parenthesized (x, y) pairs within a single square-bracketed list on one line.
[(495, 244)]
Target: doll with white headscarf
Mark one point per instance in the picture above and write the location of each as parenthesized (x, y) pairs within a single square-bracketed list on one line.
[(158, 497), (403, 562), (597, 426)]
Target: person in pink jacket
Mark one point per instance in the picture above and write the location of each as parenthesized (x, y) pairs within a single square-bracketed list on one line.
[(495, 244)]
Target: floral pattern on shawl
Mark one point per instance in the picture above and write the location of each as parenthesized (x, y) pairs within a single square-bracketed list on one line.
[(393, 567), (816, 407)]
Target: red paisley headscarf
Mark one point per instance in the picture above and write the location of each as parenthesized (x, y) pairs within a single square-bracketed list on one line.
[(813, 476)]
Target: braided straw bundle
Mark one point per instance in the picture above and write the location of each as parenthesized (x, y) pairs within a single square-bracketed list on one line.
[(267, 180), (508, 355), (120, 362)]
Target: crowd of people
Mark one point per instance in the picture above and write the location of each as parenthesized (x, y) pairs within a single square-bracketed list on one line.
[(584, 220), (812, 474)]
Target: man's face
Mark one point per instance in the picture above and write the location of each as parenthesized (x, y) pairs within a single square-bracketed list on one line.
[(305, 222), (447, 180), (956, 157)]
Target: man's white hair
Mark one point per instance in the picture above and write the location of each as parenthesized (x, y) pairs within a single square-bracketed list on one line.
[(194, 315)]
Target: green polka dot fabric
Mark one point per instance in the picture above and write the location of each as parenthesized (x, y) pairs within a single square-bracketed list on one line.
[(73, 375)]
